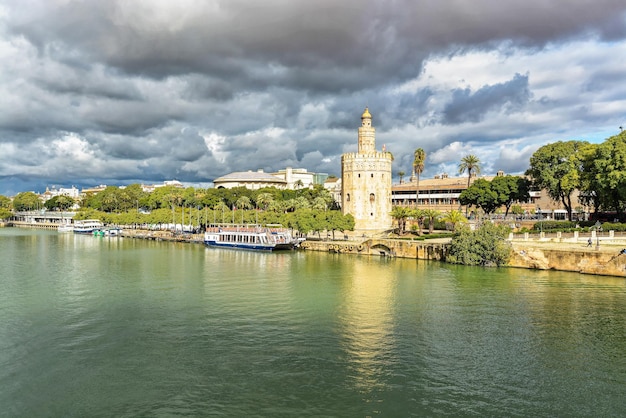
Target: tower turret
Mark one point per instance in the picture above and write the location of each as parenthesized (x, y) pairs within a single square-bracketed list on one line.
[(367, 134)]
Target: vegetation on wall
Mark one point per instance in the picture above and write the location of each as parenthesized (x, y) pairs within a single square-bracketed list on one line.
[(485, 246)]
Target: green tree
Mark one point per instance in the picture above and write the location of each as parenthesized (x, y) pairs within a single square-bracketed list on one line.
[(5, 202), (481, 195), (5, 207), (419, 158), (401, 175), (301, 202), (264, 200), (5, 213), (590, 182), (243, 202), (471, 164), (319, 203), (26, 201), (303, 220), (60, 202), (510, 189), (486, 246), (608, 171), (336, 221), (557, 168)]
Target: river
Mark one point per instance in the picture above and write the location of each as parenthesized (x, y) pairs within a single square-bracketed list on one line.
[(122, 327)]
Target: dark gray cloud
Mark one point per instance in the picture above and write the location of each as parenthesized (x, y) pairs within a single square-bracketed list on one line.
[(116, 91), (468, 106)]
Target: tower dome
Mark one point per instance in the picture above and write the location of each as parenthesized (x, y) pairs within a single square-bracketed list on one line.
[(366, 114)]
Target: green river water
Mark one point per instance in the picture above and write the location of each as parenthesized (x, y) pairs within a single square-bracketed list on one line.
[(113, 327)]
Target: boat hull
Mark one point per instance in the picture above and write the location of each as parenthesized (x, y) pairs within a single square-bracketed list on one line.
[(236, 246)]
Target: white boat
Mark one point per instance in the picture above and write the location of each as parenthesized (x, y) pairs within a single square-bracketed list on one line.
[(107, 232), (249, 237), (65, 228), (87, 226)]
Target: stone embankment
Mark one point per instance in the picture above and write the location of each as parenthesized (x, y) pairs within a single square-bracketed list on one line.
[(562, 253), (605, 259), (602, 257), (162, 236)]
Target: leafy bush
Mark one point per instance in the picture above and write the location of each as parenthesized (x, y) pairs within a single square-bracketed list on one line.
[(486, 246), (609, 226), (550, 226)]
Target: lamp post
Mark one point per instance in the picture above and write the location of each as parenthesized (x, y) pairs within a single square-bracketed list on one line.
[(598, 226)]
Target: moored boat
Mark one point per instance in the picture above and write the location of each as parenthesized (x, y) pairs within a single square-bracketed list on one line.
[(87, 226), (107, 232), (249, 237), (65, 228)]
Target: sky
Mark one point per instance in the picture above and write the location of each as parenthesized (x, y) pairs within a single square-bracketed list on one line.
[(118, 92)]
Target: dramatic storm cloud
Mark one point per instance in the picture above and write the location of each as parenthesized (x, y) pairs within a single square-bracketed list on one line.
[(117, 92)]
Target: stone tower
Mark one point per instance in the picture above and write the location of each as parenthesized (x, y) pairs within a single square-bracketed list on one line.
[(366, 182)]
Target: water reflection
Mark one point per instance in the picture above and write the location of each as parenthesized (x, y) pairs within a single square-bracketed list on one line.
[(367, 325)]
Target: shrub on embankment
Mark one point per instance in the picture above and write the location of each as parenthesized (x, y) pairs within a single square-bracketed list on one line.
[(485, 246)]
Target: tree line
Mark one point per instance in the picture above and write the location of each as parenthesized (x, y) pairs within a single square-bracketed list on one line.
[(596, 171), (306, 210)]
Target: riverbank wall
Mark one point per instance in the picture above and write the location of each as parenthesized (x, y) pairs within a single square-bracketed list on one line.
[(541, 255), (530, 254), (556, 253), (607, 261)]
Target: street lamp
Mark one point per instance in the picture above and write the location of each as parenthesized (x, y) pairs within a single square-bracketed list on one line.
[(598, 226)]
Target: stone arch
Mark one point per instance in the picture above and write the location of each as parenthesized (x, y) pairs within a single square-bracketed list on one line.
[(382, 250)]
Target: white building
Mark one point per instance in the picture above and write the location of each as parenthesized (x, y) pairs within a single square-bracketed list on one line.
[(287, 179), (72, 192), (253, 180)]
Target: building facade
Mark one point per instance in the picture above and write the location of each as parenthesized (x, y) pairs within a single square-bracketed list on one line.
[(442, 193), (253, 180), (287, 179), (366, 181)]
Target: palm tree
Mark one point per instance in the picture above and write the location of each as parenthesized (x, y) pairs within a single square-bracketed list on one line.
[(401, 175), (400, 213), (419, 157), (455, 218), (471, 164), (243, 203), (432, 215), (418, 215), (263, 200)]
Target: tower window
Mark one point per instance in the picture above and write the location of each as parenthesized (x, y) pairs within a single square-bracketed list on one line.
[(359, 175), (372, 175), (372, 197), (348, 197)]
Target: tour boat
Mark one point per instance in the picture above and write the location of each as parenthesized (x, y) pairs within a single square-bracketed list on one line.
[(87, 226), (249, 237)]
